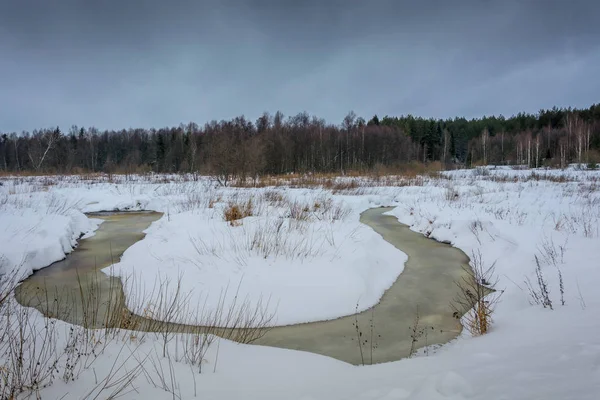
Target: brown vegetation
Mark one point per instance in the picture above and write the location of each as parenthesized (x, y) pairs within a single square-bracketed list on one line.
[(477, 295), (235, 212)]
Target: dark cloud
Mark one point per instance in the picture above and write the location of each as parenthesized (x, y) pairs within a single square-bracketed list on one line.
[(117, 64)]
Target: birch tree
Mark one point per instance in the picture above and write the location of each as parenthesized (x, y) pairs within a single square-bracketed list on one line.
[(485, 135), (43, 143)]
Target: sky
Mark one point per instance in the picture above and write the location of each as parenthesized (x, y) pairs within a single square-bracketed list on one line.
[(117, 64)]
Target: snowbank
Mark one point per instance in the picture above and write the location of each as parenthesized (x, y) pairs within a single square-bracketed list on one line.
[(305, 268), (37, 228)]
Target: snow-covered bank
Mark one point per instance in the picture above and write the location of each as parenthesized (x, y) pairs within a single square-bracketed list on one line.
[(37, 228), (511, 223), (549, 355), (306, 271)]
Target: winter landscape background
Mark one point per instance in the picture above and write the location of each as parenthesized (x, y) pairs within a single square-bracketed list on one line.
[(299, 200)]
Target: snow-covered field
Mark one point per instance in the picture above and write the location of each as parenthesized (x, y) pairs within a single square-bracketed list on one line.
[(304, 253)]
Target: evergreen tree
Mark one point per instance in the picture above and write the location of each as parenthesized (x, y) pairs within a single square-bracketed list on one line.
[(374, 120)]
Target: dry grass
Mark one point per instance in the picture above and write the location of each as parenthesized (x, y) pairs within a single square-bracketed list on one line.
[(351, 181), (451, 193), (298, 229), (35, 352), (401, 175), (275, 198), (214, 200), (299, 211), (477, 295), (235, 212), (305, 180)]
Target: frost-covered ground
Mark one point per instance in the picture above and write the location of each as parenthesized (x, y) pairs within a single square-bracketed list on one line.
[(305, 250)]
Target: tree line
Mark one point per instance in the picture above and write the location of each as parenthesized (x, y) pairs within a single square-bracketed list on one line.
[(274, 144)]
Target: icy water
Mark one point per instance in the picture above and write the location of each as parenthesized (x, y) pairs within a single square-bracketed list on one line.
[(427, 282), (68, 287)]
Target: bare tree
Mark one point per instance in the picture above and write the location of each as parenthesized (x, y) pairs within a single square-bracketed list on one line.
[(569, 125), (502, 146), (528, 149), (224, 155), (254, 158), (579, 136), (563, 143), (446, 145), (348, 125), (537, 149), (16, 146), (305, 143), (44, 142), (588, 133), (485, 135), (91, 136)]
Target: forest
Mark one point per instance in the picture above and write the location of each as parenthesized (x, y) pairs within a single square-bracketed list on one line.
[(275, 144)]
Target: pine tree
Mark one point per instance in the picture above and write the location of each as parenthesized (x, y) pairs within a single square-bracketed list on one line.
[(374, 120)]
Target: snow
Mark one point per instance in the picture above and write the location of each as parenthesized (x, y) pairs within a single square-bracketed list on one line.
[(509, 216), (37, 228), (354, 265), (513, 222), (323, 270)]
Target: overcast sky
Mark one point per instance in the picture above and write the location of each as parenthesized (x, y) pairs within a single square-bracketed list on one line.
[(119, 64)]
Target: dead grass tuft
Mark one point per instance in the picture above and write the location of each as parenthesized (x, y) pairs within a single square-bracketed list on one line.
[(274, 198), (477, 296), (235, 212), (299, 211)]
